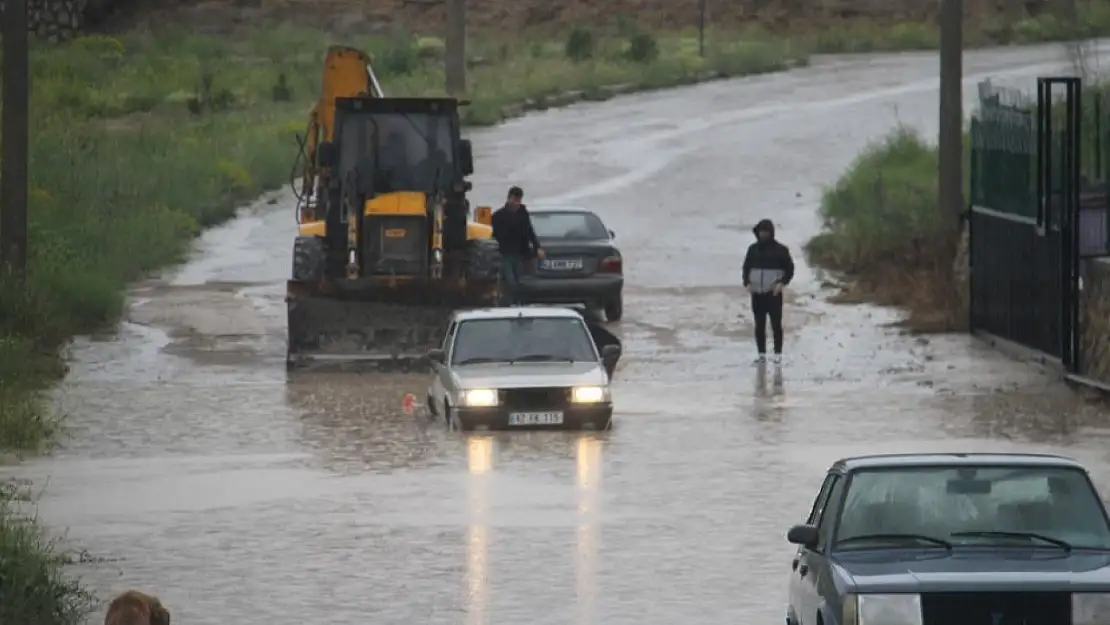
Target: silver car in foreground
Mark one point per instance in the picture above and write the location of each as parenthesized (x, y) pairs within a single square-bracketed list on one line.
[(527, 366)]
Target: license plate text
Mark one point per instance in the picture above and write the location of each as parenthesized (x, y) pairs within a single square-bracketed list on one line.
[(536, 418)]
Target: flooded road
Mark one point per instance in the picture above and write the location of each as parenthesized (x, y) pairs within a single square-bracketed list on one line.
[(239, 496)]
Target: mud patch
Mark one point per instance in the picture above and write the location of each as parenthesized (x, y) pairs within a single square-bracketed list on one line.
[(219, 323)]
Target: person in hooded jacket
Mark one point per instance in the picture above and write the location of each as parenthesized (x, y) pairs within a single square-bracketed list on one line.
[(768, 268)]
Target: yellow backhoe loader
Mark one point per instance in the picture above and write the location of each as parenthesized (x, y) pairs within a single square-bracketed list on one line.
[(386, 247)]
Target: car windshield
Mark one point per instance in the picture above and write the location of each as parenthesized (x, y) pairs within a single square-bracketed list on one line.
[(1039, 506), (568, 225), (522, 339)]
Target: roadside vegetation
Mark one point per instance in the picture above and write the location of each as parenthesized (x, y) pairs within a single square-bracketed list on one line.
[(35, 588), (1091, 19), (882, 231)]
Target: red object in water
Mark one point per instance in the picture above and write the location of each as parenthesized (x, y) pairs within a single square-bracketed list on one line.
[(408, 404)]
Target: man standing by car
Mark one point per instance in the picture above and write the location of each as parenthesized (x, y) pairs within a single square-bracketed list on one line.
[(768, 268), (512, 228)]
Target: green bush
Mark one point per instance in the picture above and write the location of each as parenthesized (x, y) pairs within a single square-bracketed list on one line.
[(580, 45), (643, 48), (33, 586), (402, 56), (882, 208)]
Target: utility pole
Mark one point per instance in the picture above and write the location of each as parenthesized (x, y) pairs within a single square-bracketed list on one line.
[(702, 8), (16, 139), (950, 142), (455, 48)]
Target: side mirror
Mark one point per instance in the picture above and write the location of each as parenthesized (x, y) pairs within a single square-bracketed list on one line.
[(612, 235), (804, 535), (437, 356), (326, 154), (466, 157)]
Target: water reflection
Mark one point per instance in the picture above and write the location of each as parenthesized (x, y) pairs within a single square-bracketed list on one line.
[(483, 455), (588, 482), (768, 404), (481, 452)]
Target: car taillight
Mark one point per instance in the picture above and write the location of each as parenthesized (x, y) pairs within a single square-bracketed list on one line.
[(610, 264)]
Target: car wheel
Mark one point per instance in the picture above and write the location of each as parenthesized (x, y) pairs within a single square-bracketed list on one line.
[(614, 308)]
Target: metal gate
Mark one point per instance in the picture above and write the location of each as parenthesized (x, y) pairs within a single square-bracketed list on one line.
[(1024, 234)]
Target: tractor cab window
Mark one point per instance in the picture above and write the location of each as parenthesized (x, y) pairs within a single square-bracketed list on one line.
[(415, 151)]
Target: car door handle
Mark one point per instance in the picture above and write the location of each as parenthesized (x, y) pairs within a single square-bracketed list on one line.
[(802, 570), (794, 566)]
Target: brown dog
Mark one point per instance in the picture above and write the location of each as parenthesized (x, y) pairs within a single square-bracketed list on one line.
[(136, 608)]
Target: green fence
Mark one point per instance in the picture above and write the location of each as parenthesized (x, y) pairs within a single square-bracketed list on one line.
[(1004, 153), (1004, 149)]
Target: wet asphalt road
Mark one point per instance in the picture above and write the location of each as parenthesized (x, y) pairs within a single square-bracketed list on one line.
[(205, 476)]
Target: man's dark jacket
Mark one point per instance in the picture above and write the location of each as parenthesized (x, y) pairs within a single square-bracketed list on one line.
[(767, 263), (513, 231)]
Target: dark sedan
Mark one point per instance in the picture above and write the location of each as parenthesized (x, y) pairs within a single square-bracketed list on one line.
[(960, 539), (582, 264)]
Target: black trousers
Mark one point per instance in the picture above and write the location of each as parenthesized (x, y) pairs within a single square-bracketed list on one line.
[(767, 305)]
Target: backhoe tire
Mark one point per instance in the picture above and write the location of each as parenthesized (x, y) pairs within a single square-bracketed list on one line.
[(614, 308), (308, 259), (483, 259)]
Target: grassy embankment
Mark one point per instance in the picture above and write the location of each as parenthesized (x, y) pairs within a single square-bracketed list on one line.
[(882, 232)]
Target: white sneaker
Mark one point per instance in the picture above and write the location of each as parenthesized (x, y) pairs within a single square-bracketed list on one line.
[(777, 359), (761, 359)]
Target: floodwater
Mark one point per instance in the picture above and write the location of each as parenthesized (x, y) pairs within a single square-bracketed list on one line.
[(198, 471)]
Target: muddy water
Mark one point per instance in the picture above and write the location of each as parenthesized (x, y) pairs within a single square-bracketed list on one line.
[(241, 496)]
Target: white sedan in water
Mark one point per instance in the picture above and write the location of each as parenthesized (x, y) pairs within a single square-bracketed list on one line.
[(528, 366)]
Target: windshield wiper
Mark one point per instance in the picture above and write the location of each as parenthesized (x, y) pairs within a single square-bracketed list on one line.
[(478, 360), (540, 358), (940, 542), (1066, 546)]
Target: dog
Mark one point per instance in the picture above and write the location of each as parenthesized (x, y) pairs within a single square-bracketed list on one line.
[(136, 608)]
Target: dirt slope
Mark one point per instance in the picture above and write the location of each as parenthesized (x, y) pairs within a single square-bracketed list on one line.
[(428, 15)]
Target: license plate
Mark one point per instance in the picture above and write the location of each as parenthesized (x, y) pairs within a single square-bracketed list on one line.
[(536, 418), (563, 265)]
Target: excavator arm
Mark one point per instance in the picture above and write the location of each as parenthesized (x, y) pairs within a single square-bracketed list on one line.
[(348, 73)]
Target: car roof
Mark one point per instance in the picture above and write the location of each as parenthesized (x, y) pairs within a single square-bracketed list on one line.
[(554, 208), (509, 312), (886, 461)]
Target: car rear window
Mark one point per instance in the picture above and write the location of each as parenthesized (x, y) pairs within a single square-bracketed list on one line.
[(568, 225), (1056, 502), (523, 338)]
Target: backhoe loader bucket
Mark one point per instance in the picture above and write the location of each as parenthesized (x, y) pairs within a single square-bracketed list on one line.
[(366, 325)]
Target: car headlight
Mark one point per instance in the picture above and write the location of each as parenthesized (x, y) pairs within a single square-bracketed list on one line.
[(1089, 608), (882, 609), (588, 394), (479, 397)]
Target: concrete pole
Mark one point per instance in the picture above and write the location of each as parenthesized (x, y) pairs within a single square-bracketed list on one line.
[(702, 8), (16, 139), (950, 142), (455, 44)]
